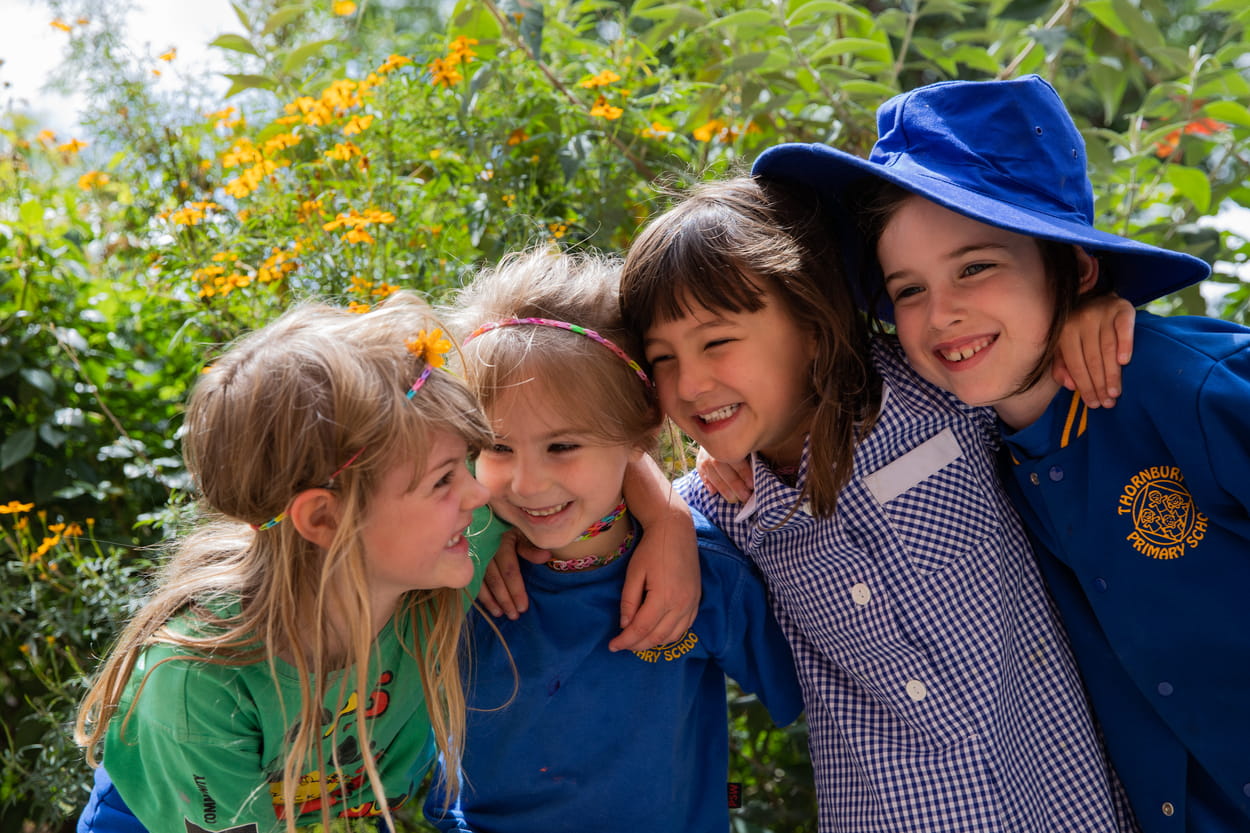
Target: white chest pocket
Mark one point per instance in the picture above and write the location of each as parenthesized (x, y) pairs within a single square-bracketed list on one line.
[(934, 502)]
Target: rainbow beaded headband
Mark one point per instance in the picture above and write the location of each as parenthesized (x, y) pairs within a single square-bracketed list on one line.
[(430, 348), (572, 328)]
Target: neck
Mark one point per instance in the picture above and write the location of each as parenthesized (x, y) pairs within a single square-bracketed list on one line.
[(1025, 408), (605, 543)]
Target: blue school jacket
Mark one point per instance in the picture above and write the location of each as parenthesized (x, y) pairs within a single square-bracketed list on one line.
[(1141, 521)]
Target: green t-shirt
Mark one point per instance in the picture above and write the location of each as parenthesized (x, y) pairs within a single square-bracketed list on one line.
[(204, 749)]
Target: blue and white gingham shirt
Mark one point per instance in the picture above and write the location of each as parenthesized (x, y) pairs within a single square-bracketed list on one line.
[(941, 693)]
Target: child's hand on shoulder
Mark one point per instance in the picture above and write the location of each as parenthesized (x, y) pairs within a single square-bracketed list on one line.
[(732, 481), (503, 589), (1095, 343)]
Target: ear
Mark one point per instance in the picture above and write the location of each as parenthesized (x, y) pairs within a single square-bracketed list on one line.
[(1086, 270), (315, 514)]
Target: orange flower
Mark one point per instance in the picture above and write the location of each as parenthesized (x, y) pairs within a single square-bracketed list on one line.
[(606, 110), (430, 347), (1197, 127), (601, 80)]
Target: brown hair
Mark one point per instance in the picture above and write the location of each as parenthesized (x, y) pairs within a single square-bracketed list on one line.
[(277, 414), (583, 379), (724, 246), (877, 201)]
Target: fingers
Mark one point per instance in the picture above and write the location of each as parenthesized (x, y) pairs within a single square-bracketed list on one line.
[(650, 627), (503, 589), (730, 481)]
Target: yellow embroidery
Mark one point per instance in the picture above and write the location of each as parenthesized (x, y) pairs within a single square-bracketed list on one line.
[(671, 651), (1165, 519)]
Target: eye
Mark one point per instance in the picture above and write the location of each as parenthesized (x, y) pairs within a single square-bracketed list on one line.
[(658, 359), (446, 479), (498, 448), (905, 292), (975, 269), (562, 448), (719, 342)]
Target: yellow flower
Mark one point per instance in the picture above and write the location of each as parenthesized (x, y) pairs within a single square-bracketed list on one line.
[(436, 152), (340, 95), (384, 290), (56, 527), (601, 80), (444, 72), (607, 111), (656, 130), (13, 507), (459, 50), (508, 199), (517, 136), (356, 124), (73, 531), (46, 137), (392, 63), (357, 235), (93, 179), (169, 55), (61, 24), (21, 523), (430, 347), (281, 142), (72, 146), (357, 307), (558, 230), (710, 130), (343, 8), (343, 151)]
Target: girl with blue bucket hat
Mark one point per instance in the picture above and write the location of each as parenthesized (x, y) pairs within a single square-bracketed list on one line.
[(977, 218)]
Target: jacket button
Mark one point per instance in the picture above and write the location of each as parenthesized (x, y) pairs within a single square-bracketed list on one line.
[(916, 690), (861, 594), (1100, 584), (1167, 808), (1056, 473), (1034, 479), (1165, 689)]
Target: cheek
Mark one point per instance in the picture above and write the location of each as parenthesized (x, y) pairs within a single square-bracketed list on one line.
[(493, 474)]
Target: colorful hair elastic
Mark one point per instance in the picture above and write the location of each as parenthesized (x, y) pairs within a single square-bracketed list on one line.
[(430, 348), (281, 516), (573, 328)]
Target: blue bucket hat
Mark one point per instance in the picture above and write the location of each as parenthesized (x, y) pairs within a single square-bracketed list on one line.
[(1005, 153)]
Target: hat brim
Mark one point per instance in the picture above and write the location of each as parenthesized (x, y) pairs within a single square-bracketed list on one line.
[(1137, 272)]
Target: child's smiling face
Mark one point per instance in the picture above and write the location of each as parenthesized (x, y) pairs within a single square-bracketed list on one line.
[(972, 306), (736, 382)]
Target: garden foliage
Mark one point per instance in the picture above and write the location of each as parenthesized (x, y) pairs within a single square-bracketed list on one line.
[(370, 145)]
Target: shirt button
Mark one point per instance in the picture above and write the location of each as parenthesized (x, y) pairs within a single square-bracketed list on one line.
[(1034, 479), (1165, 689), (1100, 584), (916, 690), (860, 594), (1167, 808), (1056, 473)]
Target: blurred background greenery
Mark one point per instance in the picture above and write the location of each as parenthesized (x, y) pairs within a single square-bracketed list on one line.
[(369, 145)]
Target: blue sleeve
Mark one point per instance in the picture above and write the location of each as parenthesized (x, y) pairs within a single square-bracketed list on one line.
[(105, 811), (1224, 419), (452, 819), (752, 648)]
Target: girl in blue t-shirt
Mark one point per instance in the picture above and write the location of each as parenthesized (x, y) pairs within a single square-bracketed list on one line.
[(563, 732)]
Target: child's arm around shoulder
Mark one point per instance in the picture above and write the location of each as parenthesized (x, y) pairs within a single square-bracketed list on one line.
[(1096, 341), (745, 637)]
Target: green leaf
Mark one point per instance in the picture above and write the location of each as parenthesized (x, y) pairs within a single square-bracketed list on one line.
[(1141, 30), (744, 23), (40, 378), (869, 49), (300, 56), (674, 13), (1229, 112), (239, 83), (17, 447), (235, 43), (828, 8), (283, 16), (1104, 12), (242, 16), (1193, 184)]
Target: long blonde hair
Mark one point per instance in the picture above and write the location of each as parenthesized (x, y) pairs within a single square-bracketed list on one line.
[(277, 414)]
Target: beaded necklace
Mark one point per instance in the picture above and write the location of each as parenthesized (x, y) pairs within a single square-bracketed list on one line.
[(590, 562), (603, 524)]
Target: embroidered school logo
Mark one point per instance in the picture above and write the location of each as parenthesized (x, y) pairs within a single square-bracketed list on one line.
[(671, 651), (1165, 520)]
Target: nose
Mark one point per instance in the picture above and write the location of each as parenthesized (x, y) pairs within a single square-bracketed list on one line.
[(475, 494), (528, 477), (693, 380), (945, 307)]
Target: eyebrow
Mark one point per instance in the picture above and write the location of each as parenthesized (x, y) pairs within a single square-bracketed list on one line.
[(716, 320), (952, 255)]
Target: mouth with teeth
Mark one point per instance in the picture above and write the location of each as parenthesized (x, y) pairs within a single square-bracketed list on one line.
[(719, 415), (965, 351), (454, 540), (545, 512)]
